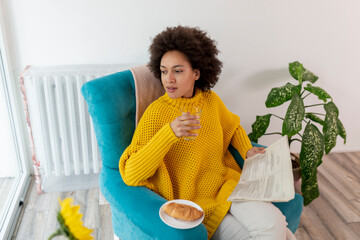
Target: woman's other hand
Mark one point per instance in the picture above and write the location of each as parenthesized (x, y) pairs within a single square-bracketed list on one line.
[(185, 123), (255, 150)]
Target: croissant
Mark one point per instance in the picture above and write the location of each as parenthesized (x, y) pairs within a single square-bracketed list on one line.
[(182, 211)]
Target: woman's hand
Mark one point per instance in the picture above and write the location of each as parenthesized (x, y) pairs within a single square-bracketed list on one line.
[(255, 150), (185, 123)]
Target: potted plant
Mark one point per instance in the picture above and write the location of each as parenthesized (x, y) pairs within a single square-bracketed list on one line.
[(313, 141)]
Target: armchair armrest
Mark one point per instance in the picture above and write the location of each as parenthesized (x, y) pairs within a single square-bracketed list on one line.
[(135, 211)]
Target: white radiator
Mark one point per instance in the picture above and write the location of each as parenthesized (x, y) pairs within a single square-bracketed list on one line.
[(64, 141)]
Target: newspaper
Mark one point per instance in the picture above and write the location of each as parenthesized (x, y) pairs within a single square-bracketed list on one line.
[(267, 176)]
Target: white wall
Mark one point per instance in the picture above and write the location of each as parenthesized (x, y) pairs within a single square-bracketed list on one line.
[(257, 40)]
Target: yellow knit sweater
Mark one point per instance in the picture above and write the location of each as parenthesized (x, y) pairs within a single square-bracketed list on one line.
[(202, 171)]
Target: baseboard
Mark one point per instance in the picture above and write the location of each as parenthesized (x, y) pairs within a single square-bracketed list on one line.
[(69, 183)]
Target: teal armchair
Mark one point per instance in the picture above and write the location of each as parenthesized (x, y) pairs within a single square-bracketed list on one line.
[(115, 104)]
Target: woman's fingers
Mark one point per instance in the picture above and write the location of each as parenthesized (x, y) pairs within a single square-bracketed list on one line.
[(255, 150), (185, 123), (187, 116), (190, 122), (261, 149)]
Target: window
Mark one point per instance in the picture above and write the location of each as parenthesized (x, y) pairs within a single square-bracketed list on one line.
[(14, 173)]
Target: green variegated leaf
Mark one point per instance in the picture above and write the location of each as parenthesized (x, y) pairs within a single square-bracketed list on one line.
[(278, 96), (300, 73), (330, 108), (309, 189), (322, 94), (330, 128), (341, 129), (294, 115), (330, 131), (314, 118), (260, 125), (252, 138), (309, 76), (296, 70), (312, 150)]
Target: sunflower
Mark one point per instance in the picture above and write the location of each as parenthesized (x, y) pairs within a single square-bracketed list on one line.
[(70, 222)]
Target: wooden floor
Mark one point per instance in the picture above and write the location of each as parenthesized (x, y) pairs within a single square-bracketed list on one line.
[(38, 220), (334, 215)]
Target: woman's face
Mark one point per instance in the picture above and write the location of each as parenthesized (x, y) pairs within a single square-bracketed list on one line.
[(177, 75)]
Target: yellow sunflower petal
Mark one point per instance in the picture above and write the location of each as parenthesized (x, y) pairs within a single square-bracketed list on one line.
[(75, 209), (66, 202), (82, 232), (74, 222), (65, 205), (72, 219)]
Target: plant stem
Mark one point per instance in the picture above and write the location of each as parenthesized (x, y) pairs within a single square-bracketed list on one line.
[(322, 114), (277, 116), (302, 93), (58, 232), (295, 139), (273, 133), (306, 95), (319, 104)]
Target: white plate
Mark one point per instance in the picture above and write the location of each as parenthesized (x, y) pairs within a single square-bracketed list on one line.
[(177, 223)]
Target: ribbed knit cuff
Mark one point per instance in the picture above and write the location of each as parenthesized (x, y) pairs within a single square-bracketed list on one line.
[(216, 218), (143, 164), (241, 141)]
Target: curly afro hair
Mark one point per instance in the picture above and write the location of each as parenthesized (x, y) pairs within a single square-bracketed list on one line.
[(194, 43)]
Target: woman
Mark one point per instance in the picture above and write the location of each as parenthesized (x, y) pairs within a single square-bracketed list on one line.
[(203, 170)]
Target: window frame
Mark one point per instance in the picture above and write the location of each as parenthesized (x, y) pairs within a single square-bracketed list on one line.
[(21, 184)]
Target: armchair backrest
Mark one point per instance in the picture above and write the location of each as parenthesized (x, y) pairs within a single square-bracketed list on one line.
[(116, 103), (111, 104)]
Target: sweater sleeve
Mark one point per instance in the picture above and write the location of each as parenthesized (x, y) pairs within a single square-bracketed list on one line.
[(241, 141), (141, 160)]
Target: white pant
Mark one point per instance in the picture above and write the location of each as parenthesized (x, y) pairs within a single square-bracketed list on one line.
[(253, 220)]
